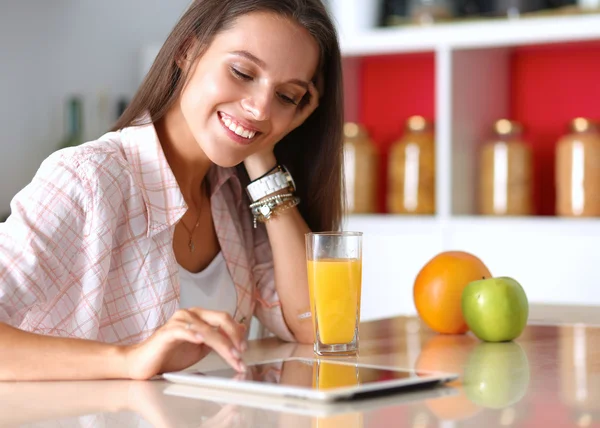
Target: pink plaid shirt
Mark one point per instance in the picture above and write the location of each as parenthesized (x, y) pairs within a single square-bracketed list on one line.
[(88, 249)]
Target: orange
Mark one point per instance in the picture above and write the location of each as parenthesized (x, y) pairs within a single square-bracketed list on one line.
[(438, 289)]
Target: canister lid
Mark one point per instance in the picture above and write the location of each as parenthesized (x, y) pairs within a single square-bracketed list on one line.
[(583, 124), (507, 127), (417, 124)]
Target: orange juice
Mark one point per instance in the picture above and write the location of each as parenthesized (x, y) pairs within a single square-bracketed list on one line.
[(327, 376), (335, 289), (346, 420)]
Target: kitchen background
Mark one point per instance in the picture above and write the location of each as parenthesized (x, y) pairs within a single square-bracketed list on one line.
[(456, 109)]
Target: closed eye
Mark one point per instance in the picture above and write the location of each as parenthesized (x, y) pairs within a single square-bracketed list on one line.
[(287, 100), (239, 74), (242, 76)]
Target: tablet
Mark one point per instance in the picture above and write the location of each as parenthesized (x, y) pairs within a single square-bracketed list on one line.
[(318, 379), (299, 406)]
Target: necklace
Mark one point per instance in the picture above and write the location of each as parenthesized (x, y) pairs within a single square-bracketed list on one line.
[(191, 244)]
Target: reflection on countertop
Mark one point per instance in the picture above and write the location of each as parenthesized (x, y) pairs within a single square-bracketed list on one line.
[(550, 376)]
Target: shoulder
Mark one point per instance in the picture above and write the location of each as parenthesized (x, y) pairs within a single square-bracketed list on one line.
[(94, 161), (91, 159), (91, 169)]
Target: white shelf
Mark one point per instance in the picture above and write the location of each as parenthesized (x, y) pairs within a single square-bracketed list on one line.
[(473, 35), (554, 258), (378, 222)]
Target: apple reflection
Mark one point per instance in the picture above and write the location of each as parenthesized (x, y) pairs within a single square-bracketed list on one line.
[(493, 377), (497, 375)]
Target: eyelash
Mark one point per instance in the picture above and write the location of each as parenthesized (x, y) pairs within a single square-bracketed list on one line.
[(238, 74)]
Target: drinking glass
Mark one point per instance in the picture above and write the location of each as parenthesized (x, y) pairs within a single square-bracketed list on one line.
[(334, 264)]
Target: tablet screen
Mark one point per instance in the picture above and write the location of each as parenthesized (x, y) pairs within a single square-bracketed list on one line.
[(317, 375)]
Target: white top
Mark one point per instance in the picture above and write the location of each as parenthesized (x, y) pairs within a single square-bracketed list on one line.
[(211, 288)]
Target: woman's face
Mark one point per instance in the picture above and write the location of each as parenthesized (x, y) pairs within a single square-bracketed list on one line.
[(244, 91)]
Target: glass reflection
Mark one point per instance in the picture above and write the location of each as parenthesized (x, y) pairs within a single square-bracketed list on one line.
[(580, 373)]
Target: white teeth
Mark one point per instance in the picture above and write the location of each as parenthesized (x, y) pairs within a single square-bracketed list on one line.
[(238, 129)]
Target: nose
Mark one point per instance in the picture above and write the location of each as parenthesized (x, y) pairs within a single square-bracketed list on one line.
[(258, 105)]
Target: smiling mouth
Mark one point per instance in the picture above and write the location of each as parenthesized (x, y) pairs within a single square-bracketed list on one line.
[(238, 129)]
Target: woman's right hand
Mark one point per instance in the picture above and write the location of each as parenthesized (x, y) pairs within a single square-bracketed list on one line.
[(184, 340)]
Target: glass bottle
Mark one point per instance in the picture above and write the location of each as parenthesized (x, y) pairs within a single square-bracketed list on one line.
[(411, 171), (426, 12), (578, 170), (360, 170), (505, 172)]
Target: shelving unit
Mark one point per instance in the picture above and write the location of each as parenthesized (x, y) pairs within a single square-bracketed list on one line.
[(465, 76)]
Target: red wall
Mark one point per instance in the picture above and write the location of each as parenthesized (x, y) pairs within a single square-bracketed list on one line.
[(392, 88), (550, 85)]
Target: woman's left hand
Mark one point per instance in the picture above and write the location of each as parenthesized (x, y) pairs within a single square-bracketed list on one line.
[(305, 111)]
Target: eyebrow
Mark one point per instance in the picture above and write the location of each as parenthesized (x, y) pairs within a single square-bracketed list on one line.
[(245, 54)]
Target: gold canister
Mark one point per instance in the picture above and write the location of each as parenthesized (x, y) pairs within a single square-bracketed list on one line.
[(505, 172), (411, 170), (360, 170), (578, 170)]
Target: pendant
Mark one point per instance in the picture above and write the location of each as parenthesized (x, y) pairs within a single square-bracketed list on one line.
[(192, 246)]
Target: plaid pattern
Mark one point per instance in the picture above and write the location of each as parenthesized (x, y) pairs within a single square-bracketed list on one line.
[(88, 249)]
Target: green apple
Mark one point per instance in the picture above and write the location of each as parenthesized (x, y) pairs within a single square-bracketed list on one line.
[(496, 375), (495, 309)]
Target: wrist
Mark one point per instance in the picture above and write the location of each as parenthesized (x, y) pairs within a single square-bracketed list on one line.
[(257, 165), (118, 355)]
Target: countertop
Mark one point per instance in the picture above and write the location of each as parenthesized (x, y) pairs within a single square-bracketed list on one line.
[(549, 376)]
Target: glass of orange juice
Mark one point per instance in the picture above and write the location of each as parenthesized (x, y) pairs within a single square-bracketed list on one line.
[(334, 263)]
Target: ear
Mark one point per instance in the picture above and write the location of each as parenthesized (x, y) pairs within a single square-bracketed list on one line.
[(185, 54)]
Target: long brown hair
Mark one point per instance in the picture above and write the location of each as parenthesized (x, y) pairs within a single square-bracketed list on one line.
[(313, 151)]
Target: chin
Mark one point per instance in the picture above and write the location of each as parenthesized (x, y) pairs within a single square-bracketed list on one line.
[(222, 158)]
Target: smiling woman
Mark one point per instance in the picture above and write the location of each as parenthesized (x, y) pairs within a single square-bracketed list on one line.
[(159, 241)]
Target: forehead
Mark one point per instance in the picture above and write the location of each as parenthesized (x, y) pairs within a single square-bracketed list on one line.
[(285, 46)]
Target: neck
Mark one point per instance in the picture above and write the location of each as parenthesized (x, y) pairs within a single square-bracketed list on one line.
[(185, 157)]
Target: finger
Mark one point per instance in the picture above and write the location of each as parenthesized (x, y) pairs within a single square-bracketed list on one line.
[(320, 83), (186, 331), (313, 90), (244, 334), (226, 323), (215, 339), (313, 100)]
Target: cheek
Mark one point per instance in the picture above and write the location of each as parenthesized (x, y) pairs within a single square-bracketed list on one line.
[(201, 93), (282, 118)]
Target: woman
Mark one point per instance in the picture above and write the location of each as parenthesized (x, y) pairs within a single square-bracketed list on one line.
[(186, 204)]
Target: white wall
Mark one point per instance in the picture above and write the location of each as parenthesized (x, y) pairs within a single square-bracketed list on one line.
[(50, 49)]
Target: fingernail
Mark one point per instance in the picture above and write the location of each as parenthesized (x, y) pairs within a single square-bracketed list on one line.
[(199, 336), (242, 367), (236, 353), (244, 347)]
